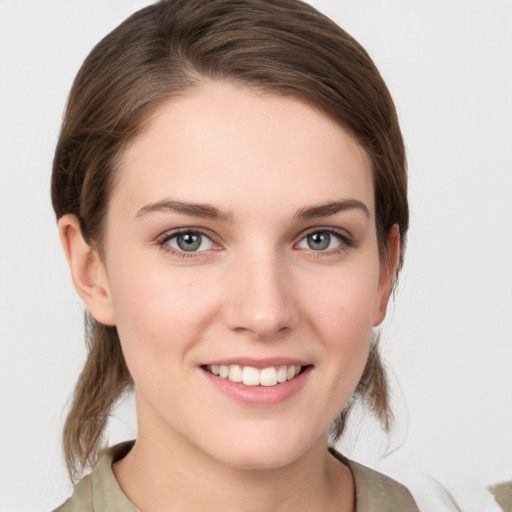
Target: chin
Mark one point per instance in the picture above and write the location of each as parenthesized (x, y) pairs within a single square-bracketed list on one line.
[(261, 451)]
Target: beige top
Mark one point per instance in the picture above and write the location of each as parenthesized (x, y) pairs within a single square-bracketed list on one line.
[(100, 492), (503, 495)]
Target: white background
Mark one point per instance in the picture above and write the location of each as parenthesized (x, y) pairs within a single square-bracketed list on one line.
[(448, 338)]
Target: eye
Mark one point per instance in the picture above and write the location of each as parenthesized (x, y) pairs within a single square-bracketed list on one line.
[(188, 241), (323, 240)]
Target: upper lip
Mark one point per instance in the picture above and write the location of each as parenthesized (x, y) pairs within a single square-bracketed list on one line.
[(258, 363)]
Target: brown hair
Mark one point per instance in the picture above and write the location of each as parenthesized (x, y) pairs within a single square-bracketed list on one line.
[(284, 47)]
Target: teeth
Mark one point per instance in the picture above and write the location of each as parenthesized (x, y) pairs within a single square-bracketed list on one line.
[(281, 374), (235, 373), (268, 377), (252, 376)]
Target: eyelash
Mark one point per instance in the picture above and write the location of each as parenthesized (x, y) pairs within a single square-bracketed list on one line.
[(166, 237), (345, 239)]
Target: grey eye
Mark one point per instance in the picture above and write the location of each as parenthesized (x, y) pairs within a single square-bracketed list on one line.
[(322, 240), (319, 241), (190, 241)]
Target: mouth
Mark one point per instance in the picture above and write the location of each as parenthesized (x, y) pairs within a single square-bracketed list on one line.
[(251, 376)]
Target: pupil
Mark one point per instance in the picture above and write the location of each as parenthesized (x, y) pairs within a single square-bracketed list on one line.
[(319, 241), (189, 241)]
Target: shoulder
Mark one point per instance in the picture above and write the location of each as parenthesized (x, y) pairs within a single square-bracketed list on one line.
[(81, 501), (99, 491), (503, 495), (376, 491)]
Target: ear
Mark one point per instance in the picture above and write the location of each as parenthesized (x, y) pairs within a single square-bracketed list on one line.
[(388, 267), (87, 270)]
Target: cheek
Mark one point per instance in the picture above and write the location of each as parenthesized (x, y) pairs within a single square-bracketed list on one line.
[(341, 310), (159, 311), (344, 300)]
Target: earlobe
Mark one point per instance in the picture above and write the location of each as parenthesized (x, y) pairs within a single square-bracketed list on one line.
[(388, 268), (87, 270)]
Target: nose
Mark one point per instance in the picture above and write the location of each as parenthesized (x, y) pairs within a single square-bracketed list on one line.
[(260, 299)]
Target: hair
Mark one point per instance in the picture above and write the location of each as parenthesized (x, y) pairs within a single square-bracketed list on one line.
[(281, 47)]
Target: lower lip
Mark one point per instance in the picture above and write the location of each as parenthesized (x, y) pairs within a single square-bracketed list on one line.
[(259, 395)]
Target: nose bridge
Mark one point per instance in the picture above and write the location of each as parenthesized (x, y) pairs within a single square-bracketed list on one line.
[(260, 300)]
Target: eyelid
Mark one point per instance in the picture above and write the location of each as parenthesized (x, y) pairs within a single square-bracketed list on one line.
[(346, 238), (163, 238)]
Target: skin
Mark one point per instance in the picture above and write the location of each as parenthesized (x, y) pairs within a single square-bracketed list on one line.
[(255, 288)]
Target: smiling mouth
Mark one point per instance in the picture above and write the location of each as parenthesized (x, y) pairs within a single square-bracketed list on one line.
[(250, 376)]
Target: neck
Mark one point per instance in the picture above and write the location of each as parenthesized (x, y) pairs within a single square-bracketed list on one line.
[(163, 470)]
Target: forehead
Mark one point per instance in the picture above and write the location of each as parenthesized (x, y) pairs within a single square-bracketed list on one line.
[(226, 144)]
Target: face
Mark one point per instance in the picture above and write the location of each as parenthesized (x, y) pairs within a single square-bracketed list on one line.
[(243, 274)]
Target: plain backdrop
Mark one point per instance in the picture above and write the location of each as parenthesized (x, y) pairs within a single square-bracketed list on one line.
[(448, 338)]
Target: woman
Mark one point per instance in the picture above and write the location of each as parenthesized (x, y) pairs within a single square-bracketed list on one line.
[(230, 187)]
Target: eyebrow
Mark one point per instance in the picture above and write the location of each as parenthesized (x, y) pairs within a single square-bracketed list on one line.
[(331, 208), (197, 210), (211, 212)]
